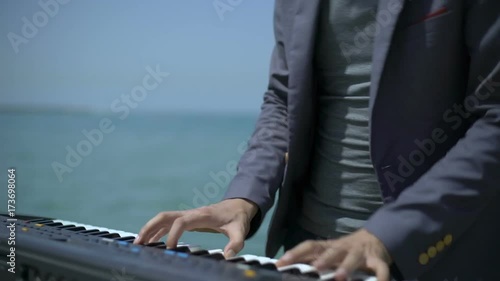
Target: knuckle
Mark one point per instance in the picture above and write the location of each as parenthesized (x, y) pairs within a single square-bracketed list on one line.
[(204, 211), (181, 222), (162, 215), (309, 243)]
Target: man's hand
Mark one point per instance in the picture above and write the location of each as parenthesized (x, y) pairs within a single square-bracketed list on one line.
[(360, 250), (231, 217)]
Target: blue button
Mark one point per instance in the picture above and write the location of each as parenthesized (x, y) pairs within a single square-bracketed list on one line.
[(135, 249), (182, 255), (122, 243), (170, 253)]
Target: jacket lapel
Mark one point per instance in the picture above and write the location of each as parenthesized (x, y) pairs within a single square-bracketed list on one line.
[(305, 14), (387, 18)]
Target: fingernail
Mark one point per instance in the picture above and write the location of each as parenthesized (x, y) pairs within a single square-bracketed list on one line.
[(137, 239), (340, 272), (318, 265)]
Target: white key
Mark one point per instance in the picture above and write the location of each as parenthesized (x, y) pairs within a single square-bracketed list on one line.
[(264, 260), (364, 277), (327, 274), (303, 268), (121, 233), (245, 257), (215, 251)]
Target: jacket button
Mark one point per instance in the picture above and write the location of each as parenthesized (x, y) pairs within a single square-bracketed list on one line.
[(432, 251), (440, 246), (448, 239), (423, 259)]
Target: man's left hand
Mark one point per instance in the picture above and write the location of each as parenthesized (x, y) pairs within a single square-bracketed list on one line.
[(359, 250)]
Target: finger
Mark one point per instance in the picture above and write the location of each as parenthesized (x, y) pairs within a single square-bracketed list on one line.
[(236, 240), (163, 219), (380, 268), (159, 234), (330, 258), (304, 252), (352, 261), (184, 223)]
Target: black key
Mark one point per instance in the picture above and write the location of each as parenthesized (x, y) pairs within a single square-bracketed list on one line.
[(42, 221), (314, 275), (65, 226), (110, 235), (216, 256), (89, 231), (200, 253), (159, 245), (294, 271), (78, 228), (181, 249), (270, 266), (126, 239), (98, 233), (38, 220), (237, 260), (252, 262), (53, 224)]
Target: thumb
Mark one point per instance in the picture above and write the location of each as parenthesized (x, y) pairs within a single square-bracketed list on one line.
[(236, 242)]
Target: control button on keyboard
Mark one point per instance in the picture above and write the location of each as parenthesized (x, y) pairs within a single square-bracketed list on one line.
[(249, 273), (122, 243)]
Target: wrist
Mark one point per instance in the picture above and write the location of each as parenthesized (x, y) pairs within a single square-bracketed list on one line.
[(247, 206)]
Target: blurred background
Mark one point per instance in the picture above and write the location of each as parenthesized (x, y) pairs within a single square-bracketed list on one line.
[(112, 111)]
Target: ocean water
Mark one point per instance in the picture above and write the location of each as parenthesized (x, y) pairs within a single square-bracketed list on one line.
[(147, 164)]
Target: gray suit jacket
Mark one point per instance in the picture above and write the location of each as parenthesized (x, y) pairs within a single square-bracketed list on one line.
[(435, 133)]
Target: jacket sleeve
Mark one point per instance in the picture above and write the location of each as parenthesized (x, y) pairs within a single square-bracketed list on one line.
[(261, 168), (440, 206)]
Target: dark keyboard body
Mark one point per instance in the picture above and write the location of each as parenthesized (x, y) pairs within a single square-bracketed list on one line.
[(47, 250)]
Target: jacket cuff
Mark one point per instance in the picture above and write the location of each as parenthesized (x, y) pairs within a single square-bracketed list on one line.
[(244, 188), (383, 228)]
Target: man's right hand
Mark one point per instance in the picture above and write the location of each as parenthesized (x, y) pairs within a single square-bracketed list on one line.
[(231, 217)]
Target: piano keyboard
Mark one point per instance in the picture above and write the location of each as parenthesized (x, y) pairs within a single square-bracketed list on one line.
[(113, 242)]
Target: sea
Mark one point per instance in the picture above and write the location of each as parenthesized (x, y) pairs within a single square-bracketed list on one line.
[(98, 169)]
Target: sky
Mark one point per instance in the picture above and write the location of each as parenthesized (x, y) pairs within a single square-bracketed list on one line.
[(87, 54)]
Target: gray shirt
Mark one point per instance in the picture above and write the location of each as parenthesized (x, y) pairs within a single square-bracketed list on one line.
[(343, 190)]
